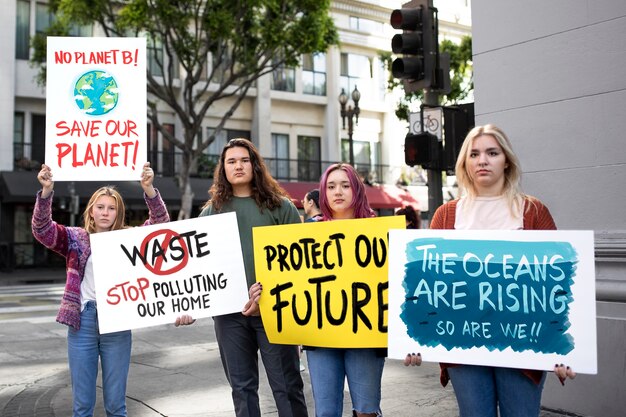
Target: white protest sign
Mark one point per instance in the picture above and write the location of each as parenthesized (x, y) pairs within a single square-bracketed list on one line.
[(520, 299), (150, 275), (96, 108)]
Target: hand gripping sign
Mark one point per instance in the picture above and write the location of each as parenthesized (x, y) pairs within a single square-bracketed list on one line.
[(521, 299), (325, 283), (150, 275)]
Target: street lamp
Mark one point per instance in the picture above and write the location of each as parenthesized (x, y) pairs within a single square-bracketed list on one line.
[(350, 113)]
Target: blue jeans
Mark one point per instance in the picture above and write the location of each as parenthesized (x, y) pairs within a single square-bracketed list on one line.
[(84, 348), (329, 368), (480, 390)]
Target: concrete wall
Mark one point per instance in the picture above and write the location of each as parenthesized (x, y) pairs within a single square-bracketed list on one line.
[(551, 74)]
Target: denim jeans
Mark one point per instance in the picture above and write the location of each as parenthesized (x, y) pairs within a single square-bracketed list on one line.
[(240, 339), (85, 347), (330, 367), (480, 390)]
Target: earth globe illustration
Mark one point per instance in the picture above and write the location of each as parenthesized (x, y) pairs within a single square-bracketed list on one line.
[(96, 92)]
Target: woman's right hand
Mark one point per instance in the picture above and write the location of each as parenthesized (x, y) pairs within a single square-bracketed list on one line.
[(413, 359), (45, 179)]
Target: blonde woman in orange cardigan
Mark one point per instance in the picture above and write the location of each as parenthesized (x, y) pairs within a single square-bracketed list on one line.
[(488, 173)]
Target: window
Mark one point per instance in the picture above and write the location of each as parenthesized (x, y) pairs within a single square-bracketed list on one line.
[(366, 25), (362, 156), (309, 155), (81, 31), (223, 68), (153, 147), (22, 29), (382, 79), (279, 163), (169, 152), (284, 79), (215, 148), (18, 137), (314, 74), (154, 49), (43, 18), (38, 139), (355, 70)]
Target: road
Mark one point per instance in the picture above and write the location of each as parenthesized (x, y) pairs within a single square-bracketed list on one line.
[(174, 372)]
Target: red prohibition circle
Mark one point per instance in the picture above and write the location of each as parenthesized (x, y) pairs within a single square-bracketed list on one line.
[(168, 236)]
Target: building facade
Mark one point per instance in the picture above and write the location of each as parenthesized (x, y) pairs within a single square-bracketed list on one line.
[(551, 75), (292, 115)]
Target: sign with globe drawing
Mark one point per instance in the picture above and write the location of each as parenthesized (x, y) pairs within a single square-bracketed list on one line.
[(96, 123), (96, 93)]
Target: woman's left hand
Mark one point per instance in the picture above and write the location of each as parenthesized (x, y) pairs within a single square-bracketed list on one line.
[(147, 178), (413, 359), (564, 372)]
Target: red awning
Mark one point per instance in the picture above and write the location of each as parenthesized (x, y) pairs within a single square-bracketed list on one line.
[(379, 196)]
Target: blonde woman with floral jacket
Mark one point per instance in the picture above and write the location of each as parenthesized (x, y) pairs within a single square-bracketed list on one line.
[(105, 212)]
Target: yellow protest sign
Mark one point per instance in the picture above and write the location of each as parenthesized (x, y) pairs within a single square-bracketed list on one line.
[(325, 283)]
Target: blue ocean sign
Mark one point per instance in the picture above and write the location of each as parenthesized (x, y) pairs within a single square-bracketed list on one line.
[(492, 296)]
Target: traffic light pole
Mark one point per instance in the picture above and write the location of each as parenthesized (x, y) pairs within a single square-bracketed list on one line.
[(435, 183)]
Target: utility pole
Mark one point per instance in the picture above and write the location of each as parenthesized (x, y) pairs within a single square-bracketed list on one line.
[(435, 183)]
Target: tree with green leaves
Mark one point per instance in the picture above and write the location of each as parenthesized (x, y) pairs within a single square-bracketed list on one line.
[(461, 79), (206, 52)]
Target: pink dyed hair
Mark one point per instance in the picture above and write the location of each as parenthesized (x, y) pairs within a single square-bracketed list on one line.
[(360, 204)]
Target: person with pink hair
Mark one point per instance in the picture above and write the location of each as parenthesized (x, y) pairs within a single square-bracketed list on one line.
[(342, 196)]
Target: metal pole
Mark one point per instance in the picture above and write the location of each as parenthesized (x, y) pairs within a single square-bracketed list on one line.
[(435, 183), (350, 127)]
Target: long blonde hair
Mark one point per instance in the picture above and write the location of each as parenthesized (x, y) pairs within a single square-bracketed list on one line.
[(512, 173), (120, 218)]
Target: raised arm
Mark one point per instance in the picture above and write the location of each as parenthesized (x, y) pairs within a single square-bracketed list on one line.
[(45, 230), (147, 178), (156, 206)]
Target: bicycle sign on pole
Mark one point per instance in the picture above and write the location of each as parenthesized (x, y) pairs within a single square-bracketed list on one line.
[(432, 122)]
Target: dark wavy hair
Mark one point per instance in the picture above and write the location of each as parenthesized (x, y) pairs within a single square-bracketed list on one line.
[(411, 217), (359, 202), (266, 191)]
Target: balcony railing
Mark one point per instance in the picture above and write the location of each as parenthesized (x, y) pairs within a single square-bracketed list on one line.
[(168, 164), (282, 169), (26, 157)]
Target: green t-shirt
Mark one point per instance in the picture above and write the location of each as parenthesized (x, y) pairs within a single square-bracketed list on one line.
[(249, 215)]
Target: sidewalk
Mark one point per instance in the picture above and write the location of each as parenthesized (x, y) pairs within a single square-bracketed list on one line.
[(174, 372)]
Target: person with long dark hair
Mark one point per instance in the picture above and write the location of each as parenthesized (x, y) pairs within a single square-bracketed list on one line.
[(242, 184)]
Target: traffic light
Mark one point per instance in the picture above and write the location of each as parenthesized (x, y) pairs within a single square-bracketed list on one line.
[(417, 44), (457, 122), (422, 149)]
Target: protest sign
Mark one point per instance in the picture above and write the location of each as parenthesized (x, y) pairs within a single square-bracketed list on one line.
[(96, 108), (150, 275), (520, 299), (325, 283)]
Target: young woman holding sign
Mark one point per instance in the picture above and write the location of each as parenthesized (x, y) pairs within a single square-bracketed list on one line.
[(488, 173), (342, 196), (105, 212)]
